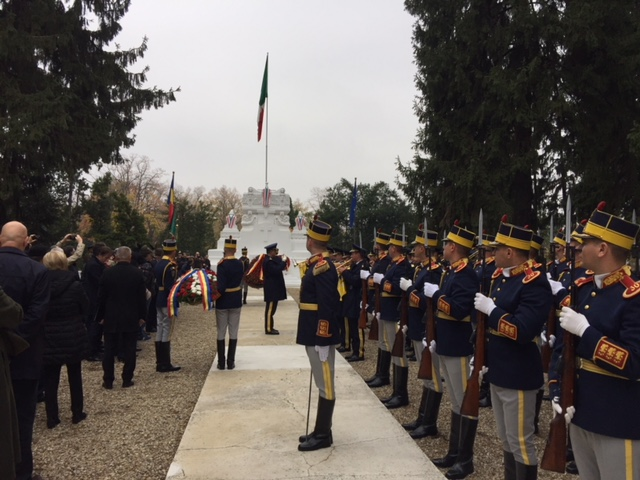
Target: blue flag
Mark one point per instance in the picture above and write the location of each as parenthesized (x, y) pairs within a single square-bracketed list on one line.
[(354, 203)]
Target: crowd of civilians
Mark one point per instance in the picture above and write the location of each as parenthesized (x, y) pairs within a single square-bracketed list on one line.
[(52, 314)]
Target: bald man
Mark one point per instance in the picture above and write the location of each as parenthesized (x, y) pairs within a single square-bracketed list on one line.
[(26, 282)]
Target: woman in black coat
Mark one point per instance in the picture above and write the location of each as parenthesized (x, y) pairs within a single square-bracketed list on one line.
[(66, 338)]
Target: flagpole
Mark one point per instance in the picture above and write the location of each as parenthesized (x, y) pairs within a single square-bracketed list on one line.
[(266, 142)]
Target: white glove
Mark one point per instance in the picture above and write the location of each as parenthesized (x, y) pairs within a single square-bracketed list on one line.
[(549, 276), (424, 342), (483, 304), (573, 322), (405, 284), (432, 347), (377, 277), (568, 416), (552, 340), (483, 371), (429, 289), (364, 274), (323, 352), (555, 286), (284, 258), (360, 304), (405, 329), (377, 315)]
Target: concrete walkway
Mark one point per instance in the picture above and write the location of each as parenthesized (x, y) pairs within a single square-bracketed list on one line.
[(247, 421)]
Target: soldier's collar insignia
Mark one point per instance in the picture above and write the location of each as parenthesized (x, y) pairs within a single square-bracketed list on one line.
[(399, 259), (531, 274), (489, 260), (497, 273), (460, 264), (515, 271), (583, 281)]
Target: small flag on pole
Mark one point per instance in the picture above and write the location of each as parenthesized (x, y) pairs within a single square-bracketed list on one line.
[(266, 197), (263, 98), (354, 203), (171, 202)]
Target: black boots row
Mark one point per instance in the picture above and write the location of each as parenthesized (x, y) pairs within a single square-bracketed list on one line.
[(518, 471), (321, 436), (163, 358), (426, 423), (400, 396), (459, 458), (231, 354), (381, 377)]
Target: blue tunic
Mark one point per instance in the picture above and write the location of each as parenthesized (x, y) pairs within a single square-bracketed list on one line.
[(426, 272), (390, 290), (230, 271)]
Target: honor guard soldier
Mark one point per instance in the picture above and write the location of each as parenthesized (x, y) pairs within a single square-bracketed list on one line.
[(351, 302), (166, 275), (390, 297), (383, 364), (605, 426), (317, 330), (535, 251), (274, 288), (245, 264), (230, 272), (517, 308), (425, 271), (559, 263), (453, 300)]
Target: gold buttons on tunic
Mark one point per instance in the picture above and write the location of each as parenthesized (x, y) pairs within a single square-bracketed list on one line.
[(586, 307)]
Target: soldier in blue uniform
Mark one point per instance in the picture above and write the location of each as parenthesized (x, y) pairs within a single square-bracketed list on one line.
[(381, 377), (351, 301), (559, 263), (605, 426), (245, 263), (318, 330), (274, 288), (517, 308), (166, 275), (453, 299), (230, 272), (391, 294), (426, 271)]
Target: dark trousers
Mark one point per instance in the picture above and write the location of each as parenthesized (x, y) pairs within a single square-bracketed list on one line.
[(354, 333), (152, 315), (126, 343), (52, 380), (25, 393), (94, 331), (269, 311)]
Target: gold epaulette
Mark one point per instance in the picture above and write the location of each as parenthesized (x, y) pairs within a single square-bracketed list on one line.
[(321, 266), (531, 274), (460, 265)]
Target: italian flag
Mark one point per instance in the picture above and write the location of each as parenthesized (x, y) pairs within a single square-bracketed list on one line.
[(263, 98)]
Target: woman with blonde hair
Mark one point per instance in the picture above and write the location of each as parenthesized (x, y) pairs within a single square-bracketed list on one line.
[(66, 339)]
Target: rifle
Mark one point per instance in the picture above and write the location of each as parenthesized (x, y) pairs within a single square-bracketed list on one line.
[(471, 401), (398, 343), (363, 311), (554, 457), (373, 332), (426, 365), (547, 350)]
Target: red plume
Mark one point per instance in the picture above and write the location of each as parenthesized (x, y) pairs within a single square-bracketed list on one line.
[(583, 221), (601, 206), (456, 222), (504, 218), (527, 227), (421, 227), (315, 217)]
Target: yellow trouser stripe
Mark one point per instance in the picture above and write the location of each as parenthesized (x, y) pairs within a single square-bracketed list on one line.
[(523, 446), (328, 385), (628, 459)]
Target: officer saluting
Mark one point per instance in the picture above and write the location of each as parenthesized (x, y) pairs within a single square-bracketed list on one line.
[(318, 329), (166, 275), (274, 287), (605, 428)]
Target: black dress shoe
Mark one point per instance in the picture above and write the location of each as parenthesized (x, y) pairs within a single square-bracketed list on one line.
[(107, 385), (342, 349), (316, 442), (52, 422), (355, 358), (127, 383), (78, 418), (572, 468), (273, 332)]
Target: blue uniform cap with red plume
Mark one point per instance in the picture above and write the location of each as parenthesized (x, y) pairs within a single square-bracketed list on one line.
[(511, 236), (610, 228), (460, 235), (382, 238)]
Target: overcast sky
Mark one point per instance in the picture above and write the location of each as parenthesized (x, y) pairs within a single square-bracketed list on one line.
[(341, 90)]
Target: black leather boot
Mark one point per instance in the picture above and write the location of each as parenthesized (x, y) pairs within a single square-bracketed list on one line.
[(526, 472), (375, 375), (464, 462), (509, 466), (394, 382), (166, 355), (418, 421), (454, 439), (159, 360), (401, 398), (231, 354), (244, 298), (536, 418), (382, 378), (429, 426), (321, 436), (221, 358), (485, 393)]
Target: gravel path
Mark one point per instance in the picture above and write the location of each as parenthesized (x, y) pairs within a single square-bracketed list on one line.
[(134, 433)]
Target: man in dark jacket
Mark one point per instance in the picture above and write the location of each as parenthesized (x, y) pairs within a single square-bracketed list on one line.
[(274, 289), (91, 275), (27, 283), (122, 308)]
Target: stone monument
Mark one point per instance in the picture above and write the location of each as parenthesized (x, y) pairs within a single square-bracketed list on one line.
[(265, 220)]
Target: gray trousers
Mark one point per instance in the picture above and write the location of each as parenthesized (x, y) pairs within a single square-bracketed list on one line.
[(455, 371), (228, 319), (165, 325), (436, 383), (514, 411), (323, 372), (605, 458)]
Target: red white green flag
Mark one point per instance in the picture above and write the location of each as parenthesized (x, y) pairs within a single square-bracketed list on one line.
[(263, 98)]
